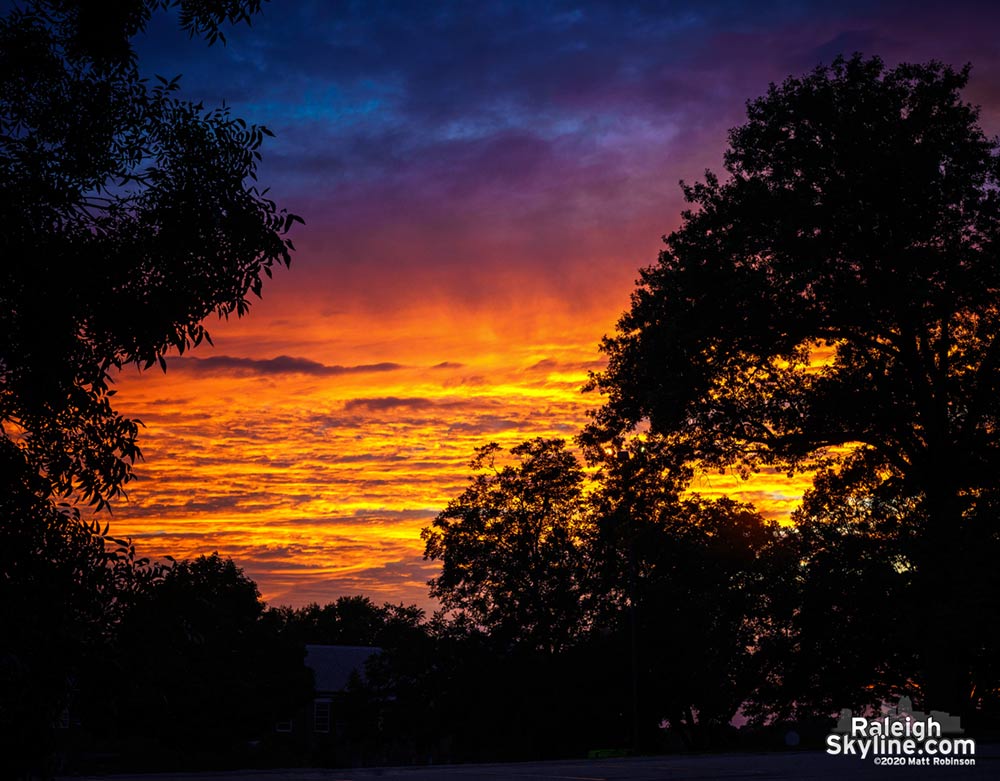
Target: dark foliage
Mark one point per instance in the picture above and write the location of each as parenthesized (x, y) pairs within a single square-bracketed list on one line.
[(64, 585), (513, 547), (200, 674), (834, 303), (351, 621), (670, 603), (127, 216)]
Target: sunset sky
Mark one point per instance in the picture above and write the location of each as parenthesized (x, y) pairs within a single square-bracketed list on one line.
[(480, 183)]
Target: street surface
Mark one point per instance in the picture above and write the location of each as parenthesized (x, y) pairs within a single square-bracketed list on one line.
[(799, 765)]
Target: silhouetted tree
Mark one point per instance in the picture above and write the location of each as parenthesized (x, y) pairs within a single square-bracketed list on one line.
[(127, 216), (852, 539), (838, 291), (856, 536), (388, 713), (64, 584), (694, 589), (353, 620), (512, 546), (200, 672), (515, 553)]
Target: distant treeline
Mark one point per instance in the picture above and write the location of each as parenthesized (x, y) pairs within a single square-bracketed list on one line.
[(581, 613)]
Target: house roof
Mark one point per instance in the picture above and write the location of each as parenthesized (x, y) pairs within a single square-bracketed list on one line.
[(332, 665)]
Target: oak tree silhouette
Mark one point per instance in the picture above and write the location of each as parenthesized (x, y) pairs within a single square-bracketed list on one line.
[(834, 301)]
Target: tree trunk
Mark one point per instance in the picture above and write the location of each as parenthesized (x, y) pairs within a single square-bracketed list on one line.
[(943, 629)]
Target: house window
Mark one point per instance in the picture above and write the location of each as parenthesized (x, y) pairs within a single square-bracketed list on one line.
[(283, 726), (321, 716)]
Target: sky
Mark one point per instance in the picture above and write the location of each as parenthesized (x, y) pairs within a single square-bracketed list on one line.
[(480, 183)]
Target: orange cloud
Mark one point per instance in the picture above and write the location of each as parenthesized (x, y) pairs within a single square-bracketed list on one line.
[(317, 473), (313, 446)]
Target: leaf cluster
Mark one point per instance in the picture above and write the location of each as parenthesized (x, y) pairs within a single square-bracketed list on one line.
[(128, 216), (840, 285)]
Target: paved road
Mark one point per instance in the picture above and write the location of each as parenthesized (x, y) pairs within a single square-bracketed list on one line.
[(804, 765)]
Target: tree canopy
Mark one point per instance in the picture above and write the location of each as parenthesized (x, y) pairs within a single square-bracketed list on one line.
[(833, 301), (511, 545), (840, 286), (127, 215)]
